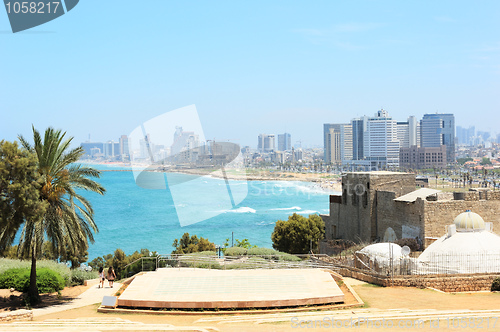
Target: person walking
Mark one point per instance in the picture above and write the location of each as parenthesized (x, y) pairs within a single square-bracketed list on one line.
[(111, 276), (101, 277)]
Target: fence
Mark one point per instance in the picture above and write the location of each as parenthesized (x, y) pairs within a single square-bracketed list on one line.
[(434, 263)]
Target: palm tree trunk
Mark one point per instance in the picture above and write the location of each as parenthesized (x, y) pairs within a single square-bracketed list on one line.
[(33, 295)]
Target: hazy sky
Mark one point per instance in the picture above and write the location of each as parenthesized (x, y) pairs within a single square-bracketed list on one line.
[(250, 67)]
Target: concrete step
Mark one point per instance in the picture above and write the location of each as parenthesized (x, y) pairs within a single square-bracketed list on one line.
[(96, 324)]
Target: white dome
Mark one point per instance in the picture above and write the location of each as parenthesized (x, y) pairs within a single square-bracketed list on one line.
[(382, 250), (469, 221), (464, 252)]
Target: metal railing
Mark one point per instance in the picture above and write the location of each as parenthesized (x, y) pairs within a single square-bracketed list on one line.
[(456, 263)]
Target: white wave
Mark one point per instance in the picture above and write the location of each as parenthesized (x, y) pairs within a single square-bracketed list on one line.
[(243, 209), (306, 212), (265, 223), (286, 209)]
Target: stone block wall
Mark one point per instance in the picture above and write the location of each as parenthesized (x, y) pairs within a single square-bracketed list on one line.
[(438, 215), (18, 315), (405, 219), (445, 283)]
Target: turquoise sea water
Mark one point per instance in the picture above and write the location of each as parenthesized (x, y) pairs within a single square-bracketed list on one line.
[(131, 218)]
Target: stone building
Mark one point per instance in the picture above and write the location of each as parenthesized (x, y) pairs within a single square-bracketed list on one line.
[(385, 206)]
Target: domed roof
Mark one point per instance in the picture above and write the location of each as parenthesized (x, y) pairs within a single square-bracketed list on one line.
[(469, 221)]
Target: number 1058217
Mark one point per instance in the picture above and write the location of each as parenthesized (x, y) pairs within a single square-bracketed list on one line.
[(32, 7)]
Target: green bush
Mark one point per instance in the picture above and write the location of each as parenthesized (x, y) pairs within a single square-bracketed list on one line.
[(203, 253), (60, 268), (495, 286), (17, 278), (78, 276), (235, 251), (262, 252), (47, 281), (288, 257), (250, 263)]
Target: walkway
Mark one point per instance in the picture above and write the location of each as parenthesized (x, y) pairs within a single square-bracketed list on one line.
[(90, 296)]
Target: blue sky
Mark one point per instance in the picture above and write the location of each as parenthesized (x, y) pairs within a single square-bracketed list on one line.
[(250, 67)]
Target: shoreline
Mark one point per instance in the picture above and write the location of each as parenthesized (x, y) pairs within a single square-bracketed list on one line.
[(329, 184)]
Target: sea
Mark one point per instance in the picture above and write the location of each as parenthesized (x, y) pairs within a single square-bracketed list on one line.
[(132, 218)]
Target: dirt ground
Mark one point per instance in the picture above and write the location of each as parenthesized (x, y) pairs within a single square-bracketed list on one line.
[(13, 300), (374, 297)]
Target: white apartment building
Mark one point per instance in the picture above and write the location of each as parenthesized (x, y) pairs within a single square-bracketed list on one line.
[(380, 142)]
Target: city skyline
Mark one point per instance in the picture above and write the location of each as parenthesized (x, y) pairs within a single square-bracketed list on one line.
[(251, 67)]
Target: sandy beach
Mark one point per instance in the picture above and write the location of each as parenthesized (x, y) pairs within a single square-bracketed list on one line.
[(326, 182)]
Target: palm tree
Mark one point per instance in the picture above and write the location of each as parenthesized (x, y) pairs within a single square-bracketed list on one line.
[(68, 220)]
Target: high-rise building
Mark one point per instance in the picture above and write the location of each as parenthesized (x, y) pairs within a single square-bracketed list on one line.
[(337, 142), (465, 136), (358, 130), (111, 149), (407, 133), (381, 140), (88, 146), (403, 134), (124, 147), (413, 132), (266, 143), (284, 142), (439, 129)]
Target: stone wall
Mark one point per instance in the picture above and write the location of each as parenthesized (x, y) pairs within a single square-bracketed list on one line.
[(445, 283), (438, 215), (405, 219), (18, 315), (353, 215)]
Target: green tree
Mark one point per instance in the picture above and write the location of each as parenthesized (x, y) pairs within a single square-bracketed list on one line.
[(119, 261), (485, 161), (187, 244), (244, 244), (19, 192), (295, 234), (68, 221)]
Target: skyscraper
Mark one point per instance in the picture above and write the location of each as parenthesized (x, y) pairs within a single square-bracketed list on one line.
[(124, 147), (439, 129), (266, 143), (381, 140), (337, 142), (407, 133), (284, 142), (358, 130)]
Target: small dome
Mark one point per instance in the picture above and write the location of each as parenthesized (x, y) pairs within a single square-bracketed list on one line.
[(469, 221)]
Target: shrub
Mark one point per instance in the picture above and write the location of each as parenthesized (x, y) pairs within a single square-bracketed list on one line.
[(495, 286), (288, 257), (235, 251), (251, 263), (78, 276), (47, 281), (17, 278), (207, 253), (60, 268), (262, 252)]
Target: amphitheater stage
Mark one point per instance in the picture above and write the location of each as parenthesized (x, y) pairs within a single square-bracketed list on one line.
[(201, 288)]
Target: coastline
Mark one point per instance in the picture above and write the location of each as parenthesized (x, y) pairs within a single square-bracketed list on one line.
[(329, 183)]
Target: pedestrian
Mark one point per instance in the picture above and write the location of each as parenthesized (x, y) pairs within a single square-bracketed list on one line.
[(111, 276), (101, 277)]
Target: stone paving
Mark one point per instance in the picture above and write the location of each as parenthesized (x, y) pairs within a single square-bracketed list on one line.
[(202, 288), (90, 296)]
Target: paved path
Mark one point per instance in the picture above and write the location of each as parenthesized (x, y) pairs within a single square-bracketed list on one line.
[(90, 296)]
